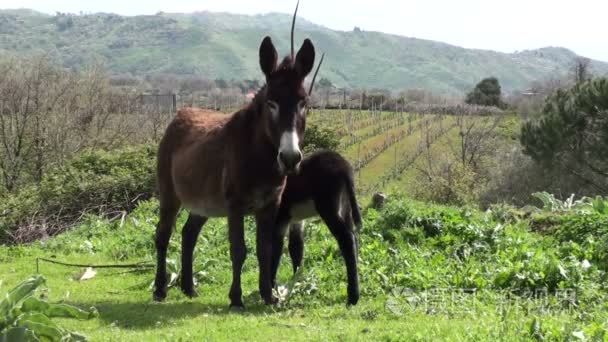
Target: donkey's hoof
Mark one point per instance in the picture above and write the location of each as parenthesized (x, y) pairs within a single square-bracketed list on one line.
[(353, 300), (273, 300), (159, 296), (237, 307), (190, 292)]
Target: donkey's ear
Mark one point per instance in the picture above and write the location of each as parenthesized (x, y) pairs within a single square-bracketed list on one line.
[(305, 59), (268, 56)]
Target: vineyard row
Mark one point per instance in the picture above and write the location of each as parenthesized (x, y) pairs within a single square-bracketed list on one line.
[(393, 139), (405, 163)]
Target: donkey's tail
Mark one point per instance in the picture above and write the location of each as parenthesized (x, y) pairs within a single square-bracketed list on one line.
[(355, 212)]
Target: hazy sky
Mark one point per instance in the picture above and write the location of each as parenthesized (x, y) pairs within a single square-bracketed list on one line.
[(507, 25)]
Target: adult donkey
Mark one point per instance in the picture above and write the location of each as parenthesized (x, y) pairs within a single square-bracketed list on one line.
[(232, 166)]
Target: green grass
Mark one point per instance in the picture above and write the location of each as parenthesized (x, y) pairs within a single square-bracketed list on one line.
[(408, 245)]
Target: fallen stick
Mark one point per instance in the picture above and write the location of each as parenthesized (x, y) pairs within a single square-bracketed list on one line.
[(138, 265)]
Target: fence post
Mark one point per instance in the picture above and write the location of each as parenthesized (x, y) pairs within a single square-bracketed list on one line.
[(359, 161), (396, 143)]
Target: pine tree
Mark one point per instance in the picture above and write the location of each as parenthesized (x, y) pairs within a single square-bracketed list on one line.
[(572, 132)]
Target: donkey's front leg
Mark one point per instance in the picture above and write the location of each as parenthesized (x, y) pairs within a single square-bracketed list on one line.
[(277, 247), (266, 235), (238, 253)]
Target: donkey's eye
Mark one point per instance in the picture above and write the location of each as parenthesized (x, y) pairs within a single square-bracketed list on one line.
[(273, 105), (301, 106), (274, 108)]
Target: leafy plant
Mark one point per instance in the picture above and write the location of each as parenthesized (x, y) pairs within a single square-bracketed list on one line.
[(24, 317), (584, 205), (550, 203)]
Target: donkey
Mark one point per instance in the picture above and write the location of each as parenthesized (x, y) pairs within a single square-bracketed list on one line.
[(324, 187), (231, 166)]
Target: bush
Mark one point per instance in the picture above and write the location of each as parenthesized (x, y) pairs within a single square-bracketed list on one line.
[(96, 182), (319, 138), (93, 182), (451, 183), (486, 93), (580, 227), (586, 236), (418, 245), (442, 226)]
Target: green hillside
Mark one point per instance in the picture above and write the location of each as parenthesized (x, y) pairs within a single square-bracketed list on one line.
[(221, 45)]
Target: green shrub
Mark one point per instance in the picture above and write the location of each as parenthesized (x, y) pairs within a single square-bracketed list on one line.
[(397, 214), (579, 228), (587, 234), (486, 93), (451, 184), (421, 245), (102, 182), (319, 138), (444, 227)]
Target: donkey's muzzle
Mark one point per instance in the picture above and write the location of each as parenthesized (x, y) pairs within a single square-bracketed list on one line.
[(290, 160)]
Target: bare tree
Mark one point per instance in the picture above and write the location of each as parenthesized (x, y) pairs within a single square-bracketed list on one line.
[(459, 174), (47, 114), (581, 69), (477, 136)]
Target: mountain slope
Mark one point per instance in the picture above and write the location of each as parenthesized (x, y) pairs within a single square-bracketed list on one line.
[(221, 45)]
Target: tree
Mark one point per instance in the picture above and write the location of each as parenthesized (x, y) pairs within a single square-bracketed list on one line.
[(221, 83), (63, 21), (572, 133), (325, 87), (48, 113), (486, 93), (325, 83), (580, 70)]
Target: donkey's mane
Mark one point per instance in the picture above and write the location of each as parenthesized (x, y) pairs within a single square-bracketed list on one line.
[(258, 99)]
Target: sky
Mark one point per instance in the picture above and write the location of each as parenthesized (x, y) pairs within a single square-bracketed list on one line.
[(507, 25)]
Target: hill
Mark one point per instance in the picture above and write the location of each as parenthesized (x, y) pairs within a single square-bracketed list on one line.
[(222, 45)]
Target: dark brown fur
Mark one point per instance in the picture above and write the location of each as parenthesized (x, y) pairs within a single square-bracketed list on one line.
[(227, 166), (323, 187)]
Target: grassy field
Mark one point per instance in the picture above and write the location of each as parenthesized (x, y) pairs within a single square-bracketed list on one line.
[(427, 272), (438, 253)]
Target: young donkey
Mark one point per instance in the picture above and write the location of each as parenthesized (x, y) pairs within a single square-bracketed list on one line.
[(324, 186), (231, 166)]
